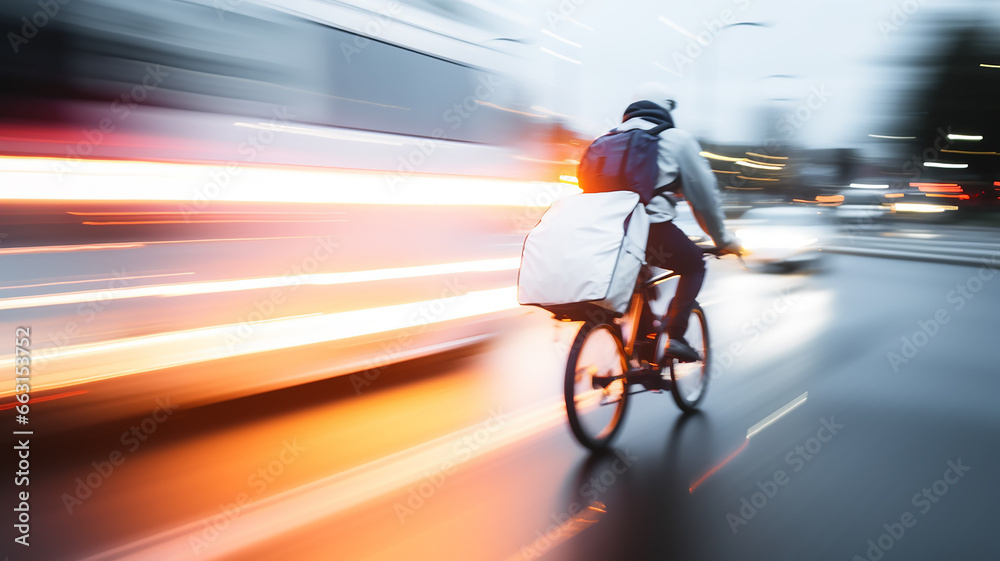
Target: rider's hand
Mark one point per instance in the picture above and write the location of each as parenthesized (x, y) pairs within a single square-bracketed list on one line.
[(734, 247)]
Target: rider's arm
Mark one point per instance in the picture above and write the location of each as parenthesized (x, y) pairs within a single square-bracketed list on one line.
[(701, 189)]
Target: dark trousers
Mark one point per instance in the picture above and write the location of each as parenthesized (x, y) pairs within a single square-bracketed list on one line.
[(669, 248)]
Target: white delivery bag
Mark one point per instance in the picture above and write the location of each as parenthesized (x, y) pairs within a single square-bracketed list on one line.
[(588, 248)]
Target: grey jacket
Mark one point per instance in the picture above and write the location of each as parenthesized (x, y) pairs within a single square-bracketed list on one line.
[(680, 155)]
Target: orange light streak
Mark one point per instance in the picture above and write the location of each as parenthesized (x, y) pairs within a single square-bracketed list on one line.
[(949, 196), (255, 283), (175, 213), (193, 221), (177, 348), (937, 187), (13, 404), (717, 467), (41, 179)]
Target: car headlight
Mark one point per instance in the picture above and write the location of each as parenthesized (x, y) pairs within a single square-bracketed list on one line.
[(773, 239)]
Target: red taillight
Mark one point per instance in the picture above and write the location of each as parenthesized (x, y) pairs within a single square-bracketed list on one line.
[(938, 187)]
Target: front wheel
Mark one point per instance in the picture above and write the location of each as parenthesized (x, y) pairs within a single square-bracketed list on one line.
[(689, 380), (595, 389)]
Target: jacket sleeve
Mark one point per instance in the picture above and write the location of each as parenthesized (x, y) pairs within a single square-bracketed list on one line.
[(701, 190)]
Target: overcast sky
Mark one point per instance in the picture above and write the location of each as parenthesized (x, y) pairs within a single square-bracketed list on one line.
[(826, 60)]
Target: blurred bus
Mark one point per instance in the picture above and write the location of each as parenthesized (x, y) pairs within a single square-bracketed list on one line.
[(428, 87)]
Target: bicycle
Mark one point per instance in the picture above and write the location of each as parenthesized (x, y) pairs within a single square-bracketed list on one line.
[(604, 365)]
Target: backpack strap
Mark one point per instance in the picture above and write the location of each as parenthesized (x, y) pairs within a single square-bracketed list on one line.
[(675, 185), (671, 187), (657, 130)]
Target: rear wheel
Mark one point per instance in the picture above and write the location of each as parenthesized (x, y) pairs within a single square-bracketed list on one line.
[(595, 390), (689, 380)]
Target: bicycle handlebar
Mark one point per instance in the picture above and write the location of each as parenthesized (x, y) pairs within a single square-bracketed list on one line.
[(717, 253), (714, 251)]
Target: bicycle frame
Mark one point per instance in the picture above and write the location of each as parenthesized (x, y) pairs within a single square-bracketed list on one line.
[(636, 305)]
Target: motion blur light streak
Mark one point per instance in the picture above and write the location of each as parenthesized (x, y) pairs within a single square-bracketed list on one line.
[(112, 180), (758, 178), (63, 248), (559, 38), (507, 109), (712, 156), (781, 412), (772, 164), (33, 400), (286, 511), (107, 279), (321, 132), (937, 187), (175, 213), (971, 152), (718, 466), (210, 343), (547, 111), (197, 221), (557, 55), (869, 186), (970, 137), (756, 155), (584, 519), (918, 207), (945, 165), (755, 239), (214, 287), (132, 245), (751, 432), (750, 164), (542, 161)]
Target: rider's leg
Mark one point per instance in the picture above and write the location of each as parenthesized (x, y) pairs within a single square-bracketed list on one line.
[(670, 248)]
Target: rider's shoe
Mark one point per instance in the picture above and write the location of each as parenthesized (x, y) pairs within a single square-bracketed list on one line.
[(678, 348)]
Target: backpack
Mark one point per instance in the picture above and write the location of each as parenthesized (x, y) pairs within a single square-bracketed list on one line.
[(623, 161)]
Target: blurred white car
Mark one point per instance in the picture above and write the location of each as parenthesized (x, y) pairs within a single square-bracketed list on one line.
[(782, 237), (775, 237)]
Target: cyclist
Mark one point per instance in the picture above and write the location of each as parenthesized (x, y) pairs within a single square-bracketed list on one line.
[(688, 174)]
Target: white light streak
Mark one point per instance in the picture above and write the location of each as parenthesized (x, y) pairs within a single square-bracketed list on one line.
[(781, 412), (945, 165)]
